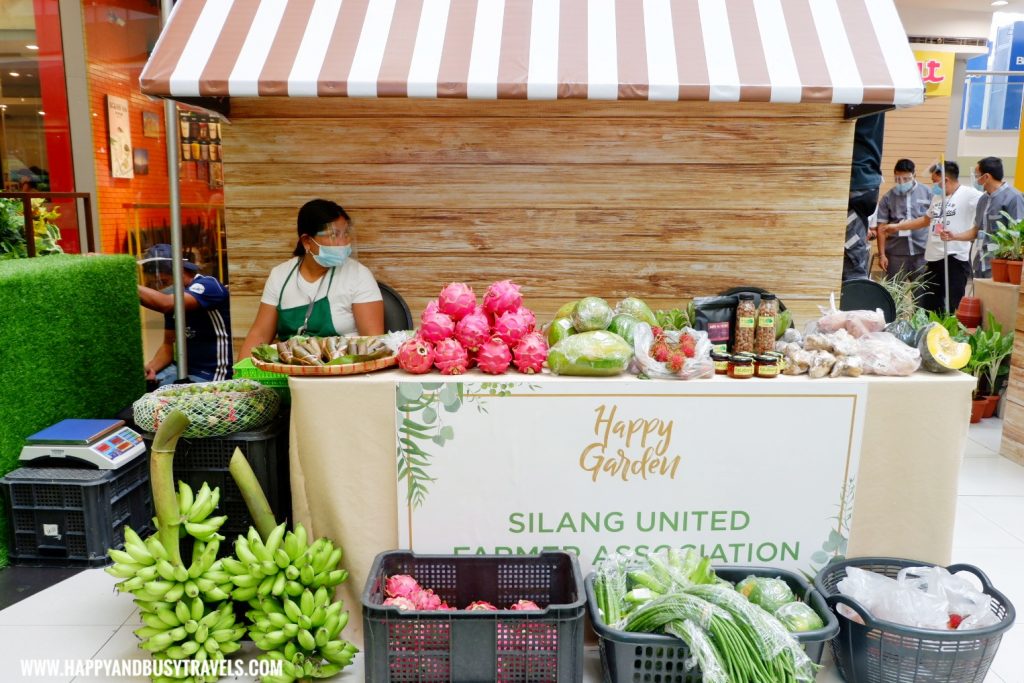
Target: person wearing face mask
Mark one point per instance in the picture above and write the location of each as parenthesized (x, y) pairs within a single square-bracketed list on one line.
[(908, 199), (960, 203), (322, 291), (999, 196)]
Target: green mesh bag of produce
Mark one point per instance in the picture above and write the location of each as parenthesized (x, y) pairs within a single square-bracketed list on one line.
[(213, 408)]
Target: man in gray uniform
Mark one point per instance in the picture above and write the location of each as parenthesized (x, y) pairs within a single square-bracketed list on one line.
[(999, 196), (908, 199)]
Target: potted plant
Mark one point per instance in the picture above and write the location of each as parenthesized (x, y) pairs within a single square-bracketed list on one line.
[(978, 367), (1000, 347), (1007, 247), (12, 229)]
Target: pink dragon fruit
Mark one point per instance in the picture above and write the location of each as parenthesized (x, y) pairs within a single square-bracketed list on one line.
[(512, 326), (426, 600), (481, 606), (450, 357), (502, 296), (523, 605), (457, 300), (493, 357), (403, 604), (416, 356), (531, 352), (431, 307), (530, 316), (400, 586), (474, 329), (436, 326)]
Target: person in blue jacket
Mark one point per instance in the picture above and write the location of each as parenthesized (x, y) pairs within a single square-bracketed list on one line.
[(207, 320)]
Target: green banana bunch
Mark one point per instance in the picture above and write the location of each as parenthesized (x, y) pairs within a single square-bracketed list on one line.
[(148, 574), (189, 629), (195, 509), (283, 565), (302, 633)]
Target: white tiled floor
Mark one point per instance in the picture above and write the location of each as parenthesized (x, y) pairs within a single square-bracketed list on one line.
[(82, 618)]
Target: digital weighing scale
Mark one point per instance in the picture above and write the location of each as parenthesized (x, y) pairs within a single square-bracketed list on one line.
[(107, 444)]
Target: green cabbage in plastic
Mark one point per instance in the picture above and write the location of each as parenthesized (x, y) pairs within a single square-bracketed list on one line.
[(799, 617), (636, 308), (590, 354), (771, 594), (592, 313)]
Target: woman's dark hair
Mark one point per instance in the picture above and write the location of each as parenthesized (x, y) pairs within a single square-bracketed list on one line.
[(993, 166), (904, 166), (313, 216)]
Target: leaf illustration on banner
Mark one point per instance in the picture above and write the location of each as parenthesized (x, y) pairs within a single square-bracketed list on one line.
[(834, 547)]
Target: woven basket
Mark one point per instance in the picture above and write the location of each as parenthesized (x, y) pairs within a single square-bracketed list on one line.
[(327, 370)]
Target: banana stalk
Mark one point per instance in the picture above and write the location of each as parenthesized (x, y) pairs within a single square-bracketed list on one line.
[(161, 475), (252, 493)]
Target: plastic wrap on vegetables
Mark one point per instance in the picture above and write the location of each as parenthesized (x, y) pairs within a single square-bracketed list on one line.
[(592, 313), (705, 655), (798, 617), (636, 308), (625, 326), (558, 329), (770, 594), (590, 354)]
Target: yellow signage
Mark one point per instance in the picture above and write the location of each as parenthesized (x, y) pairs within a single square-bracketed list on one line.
[(936, 72)]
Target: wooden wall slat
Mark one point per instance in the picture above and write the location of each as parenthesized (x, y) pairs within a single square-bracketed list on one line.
[(659, 200), (504, 140), (693, 186), (341, 107)]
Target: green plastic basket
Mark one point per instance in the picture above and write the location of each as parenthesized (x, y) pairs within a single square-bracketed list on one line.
[(244, 369)]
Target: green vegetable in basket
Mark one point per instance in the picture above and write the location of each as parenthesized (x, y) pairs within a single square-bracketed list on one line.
[(592, 354), (770, 594), (746, 585), (799, 617), (266, 353)]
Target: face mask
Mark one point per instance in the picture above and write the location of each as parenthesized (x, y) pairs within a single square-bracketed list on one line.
[(937, 190), (977, 185), (903, 188), (331, 257)]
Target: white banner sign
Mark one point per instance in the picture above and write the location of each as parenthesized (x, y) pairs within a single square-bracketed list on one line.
[(747, 472)]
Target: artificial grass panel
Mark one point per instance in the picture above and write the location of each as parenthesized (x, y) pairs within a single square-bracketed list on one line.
[(70, 347)]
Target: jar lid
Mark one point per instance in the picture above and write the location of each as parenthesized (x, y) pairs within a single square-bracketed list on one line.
[(770, 297), (742, 360), (743, 354), (719, 356), (766, 358)]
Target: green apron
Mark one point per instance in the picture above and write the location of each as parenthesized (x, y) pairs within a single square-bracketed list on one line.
[(313, 319)]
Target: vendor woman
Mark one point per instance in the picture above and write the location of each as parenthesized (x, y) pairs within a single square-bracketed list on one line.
[(322, 291)]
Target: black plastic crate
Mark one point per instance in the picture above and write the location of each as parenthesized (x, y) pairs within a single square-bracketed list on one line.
[(504, 646), (266, 449), (879, 651), (69, 517), (656, 658)]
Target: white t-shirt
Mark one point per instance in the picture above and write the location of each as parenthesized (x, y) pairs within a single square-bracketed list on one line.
[(960, 208), (353, 284)]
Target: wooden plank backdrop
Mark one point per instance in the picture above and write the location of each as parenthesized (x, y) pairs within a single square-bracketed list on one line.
[(665, 201), (1012, 445)]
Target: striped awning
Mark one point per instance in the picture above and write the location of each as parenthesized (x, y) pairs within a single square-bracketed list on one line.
[(839, 51)]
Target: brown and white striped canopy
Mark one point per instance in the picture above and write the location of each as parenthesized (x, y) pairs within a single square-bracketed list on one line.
[(840, 51)]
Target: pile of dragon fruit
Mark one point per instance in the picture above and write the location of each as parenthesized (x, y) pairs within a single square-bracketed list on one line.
[(405, 593), (457, 333)]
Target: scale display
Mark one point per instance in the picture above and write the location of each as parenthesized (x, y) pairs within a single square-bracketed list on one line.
[(107, 444)]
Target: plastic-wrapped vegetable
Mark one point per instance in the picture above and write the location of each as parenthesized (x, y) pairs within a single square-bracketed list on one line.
[(636, 308), (592, 313), (625, 326), (746, 585), (566, 310), (559, 329), (770, 594), (798, 617), (590, 354)]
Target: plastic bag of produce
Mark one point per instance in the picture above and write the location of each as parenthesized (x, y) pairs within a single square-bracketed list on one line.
[(770, 594), (592, 313), (590, 354), (213, 408), (884, 354), (636, 308), (624, 326), (857, 323), (799, 617), (696, 366)]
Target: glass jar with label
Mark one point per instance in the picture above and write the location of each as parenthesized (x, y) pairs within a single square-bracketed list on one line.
[(766, 366), (767, 313), (746, 318), (741, 367), (721, 361)]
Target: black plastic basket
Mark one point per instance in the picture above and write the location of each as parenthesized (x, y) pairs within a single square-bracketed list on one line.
[(68, 517), (656, 658), (883, 652), (504, 646), (266, 449)]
